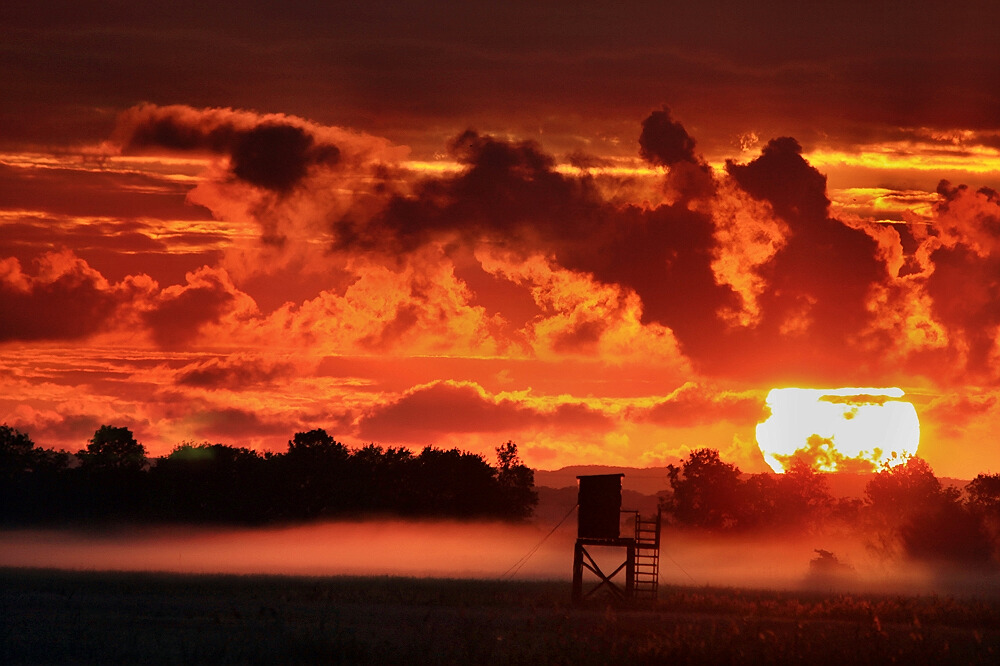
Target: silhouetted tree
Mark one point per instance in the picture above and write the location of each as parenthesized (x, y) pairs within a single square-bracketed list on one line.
[(453, 483), (317, 445), (517, 483), (806, 500), (911, 512), (113, 449), (798, 500), (212, 483), (110, 483), (17, 453), (315, 474), (33, 484), (759, 501), (983, 493), (705, 491), (983, 501), (379, 480), (316, 477)]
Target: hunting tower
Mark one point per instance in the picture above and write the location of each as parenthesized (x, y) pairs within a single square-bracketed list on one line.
[(599, 525)]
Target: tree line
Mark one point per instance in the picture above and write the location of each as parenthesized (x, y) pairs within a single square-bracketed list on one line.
[(114, 480), (905, 510)]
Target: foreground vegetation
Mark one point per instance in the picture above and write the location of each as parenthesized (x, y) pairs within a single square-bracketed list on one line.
[(105, 617)]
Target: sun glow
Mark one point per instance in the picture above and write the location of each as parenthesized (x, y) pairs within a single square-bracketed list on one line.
[(845, 429)]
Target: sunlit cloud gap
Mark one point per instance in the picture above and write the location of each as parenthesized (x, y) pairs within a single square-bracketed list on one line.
[(976, 160)]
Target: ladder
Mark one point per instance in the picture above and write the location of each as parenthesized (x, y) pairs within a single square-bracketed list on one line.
[(647, 556)]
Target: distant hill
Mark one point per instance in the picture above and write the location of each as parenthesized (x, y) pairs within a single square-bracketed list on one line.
[(653, 480), (642, 480)]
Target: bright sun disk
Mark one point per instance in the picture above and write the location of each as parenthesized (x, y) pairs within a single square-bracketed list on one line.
[(848, 427)]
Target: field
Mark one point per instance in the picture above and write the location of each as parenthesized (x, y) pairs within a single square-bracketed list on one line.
[(49, 616)]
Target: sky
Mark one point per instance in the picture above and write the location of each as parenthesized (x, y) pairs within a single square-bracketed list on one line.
[(604, 231)]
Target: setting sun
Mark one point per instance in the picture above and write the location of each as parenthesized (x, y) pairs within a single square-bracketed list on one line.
[(845, 429)]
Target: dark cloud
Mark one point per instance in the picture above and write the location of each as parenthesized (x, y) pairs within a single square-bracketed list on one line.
[(406, 317), (664, 141), (965, 289), (392, 67), (818, 283), (507, 192), (448, 407), (66, 300), (68, 431), (181, 311), (277, 157), (510, 194), (783, 178), (233, 424), (233, 372), (272, 154), (858, 399)]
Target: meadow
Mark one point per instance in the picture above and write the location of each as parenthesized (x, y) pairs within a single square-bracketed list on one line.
[(54, 616)]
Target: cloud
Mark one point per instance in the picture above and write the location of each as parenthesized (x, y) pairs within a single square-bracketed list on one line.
[(664, 141), (65, 300), (51, 429), (509, 195), (179, 312), (275, 153), (782, 177), (428, 411), (237, 372), (961, 253), (507, 192), (412, 308), (693, 404), (236, 424), (746, 272), (282, 174)]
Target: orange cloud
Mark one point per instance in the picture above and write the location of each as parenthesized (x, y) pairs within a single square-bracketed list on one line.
[(693, 404), (425, 412)]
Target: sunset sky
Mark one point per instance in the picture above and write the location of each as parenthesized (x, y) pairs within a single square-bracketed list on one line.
[(603, 230)]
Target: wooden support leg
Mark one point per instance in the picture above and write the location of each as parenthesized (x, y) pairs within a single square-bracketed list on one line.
[(630, 573), (578, 573)]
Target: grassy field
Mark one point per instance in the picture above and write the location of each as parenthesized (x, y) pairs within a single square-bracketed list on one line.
[(112, 617)]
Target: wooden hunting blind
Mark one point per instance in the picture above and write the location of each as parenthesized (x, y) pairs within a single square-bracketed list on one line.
[(599, 520), (600, 505)]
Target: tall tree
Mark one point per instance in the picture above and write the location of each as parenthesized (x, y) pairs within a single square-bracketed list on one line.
[(315, 475), (913, 515), (113, 449), (705, 491), (983, 501), (17, 453), (517, 483)]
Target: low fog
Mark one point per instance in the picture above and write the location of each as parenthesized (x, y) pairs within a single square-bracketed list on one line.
[(479, 550)]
